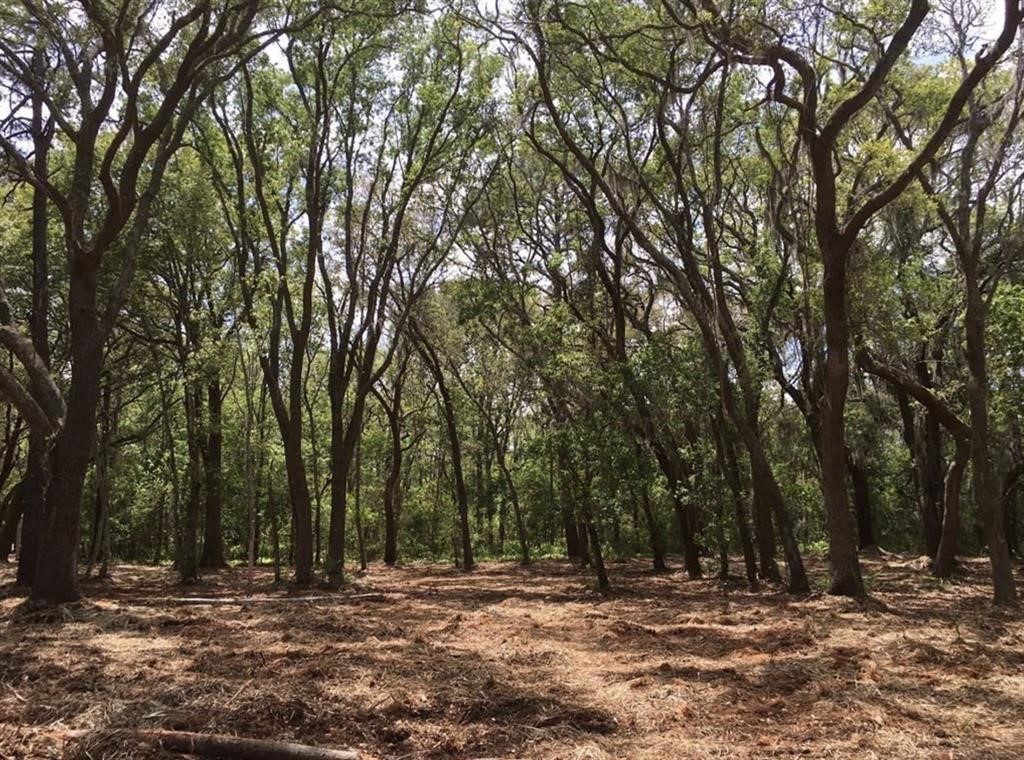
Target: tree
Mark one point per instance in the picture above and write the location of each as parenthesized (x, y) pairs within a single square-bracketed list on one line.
[(147, 72)]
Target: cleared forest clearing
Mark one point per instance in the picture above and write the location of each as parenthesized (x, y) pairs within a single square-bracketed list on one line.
[(427, 662)]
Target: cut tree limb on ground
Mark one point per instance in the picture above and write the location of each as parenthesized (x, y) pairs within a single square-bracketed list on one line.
[(214, 600), (238, 748)]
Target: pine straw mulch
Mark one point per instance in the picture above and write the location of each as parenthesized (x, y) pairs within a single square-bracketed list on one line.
[(425, 662)]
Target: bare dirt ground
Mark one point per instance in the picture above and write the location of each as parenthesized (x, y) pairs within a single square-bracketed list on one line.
[(425, 662)]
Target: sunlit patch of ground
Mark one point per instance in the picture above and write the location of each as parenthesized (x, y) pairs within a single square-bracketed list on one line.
[(426, 662)]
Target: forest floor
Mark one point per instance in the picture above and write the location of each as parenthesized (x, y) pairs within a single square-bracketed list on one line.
[(425, 662)]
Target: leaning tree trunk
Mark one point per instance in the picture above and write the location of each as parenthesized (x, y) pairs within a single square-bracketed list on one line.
[(433, 364), (726, 456)]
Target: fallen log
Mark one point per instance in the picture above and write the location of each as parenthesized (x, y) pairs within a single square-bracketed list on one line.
[(182, 601), (233, 747)]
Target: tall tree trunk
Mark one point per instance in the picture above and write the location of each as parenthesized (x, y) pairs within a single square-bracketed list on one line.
[(213, 537), (927, 453), (37, 475), (188, 562), (983, 480), (845, 566), (255, 418), (766, 488), (161, 528), (56, 576)]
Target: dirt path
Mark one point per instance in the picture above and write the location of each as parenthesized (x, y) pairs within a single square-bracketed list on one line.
[(424, 662)]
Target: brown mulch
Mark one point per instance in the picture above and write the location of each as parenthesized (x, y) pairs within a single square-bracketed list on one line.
[(425, 662)]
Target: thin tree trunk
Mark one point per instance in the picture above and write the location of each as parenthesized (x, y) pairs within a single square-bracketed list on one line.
[(945, 556), (595, 551), (573, 540), (357, 477), (275, 527), (393, 492), (517, 511), (861, 501), (653, 530), (12, 506)]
